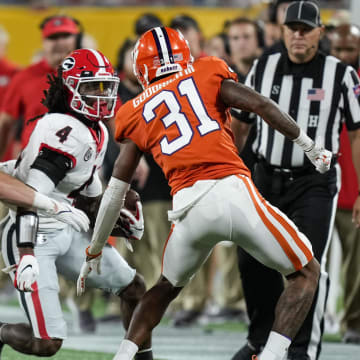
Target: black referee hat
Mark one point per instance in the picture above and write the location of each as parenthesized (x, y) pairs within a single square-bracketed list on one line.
[(305, 12)]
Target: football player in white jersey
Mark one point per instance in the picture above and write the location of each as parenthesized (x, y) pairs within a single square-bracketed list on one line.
[(61, 160), (15, 193)]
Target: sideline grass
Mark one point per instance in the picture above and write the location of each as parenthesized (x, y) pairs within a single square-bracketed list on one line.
[(63, 354)]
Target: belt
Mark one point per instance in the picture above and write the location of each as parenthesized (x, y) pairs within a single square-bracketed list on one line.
[(287, 173)]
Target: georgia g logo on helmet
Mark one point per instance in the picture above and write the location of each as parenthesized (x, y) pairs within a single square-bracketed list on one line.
[(68, 64)]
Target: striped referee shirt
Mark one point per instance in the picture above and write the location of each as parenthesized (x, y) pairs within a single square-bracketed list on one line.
[(319, 95)]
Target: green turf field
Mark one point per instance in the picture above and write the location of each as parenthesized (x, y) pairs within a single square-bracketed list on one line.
[(204, 341), (63, 354)]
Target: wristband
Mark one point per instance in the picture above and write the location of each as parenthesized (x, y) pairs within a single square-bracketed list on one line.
[(91, 256), (304, 141), (26, 228)]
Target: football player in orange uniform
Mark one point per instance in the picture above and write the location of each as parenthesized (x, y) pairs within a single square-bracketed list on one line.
[(182, 118)]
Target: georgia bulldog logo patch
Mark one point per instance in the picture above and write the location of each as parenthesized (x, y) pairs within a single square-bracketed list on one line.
[(88, 154), (68, 64)]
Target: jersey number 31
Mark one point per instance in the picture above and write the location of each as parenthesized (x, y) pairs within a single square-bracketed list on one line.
[(206, 125)]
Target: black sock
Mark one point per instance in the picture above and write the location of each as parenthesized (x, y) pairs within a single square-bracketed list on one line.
[(1, 340), (1, 347), (144, 355)]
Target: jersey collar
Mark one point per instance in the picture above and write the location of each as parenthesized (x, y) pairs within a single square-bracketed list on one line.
[(310, 69)]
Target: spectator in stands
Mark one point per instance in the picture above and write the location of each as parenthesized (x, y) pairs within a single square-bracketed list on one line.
[(190, 28), (246, 40), (60, 35), (345, 45), (146, 22), (277, 10), (7, 71), (272, 33), (218, 45)]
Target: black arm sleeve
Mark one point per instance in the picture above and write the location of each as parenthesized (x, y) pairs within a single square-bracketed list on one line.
[(55, 165)]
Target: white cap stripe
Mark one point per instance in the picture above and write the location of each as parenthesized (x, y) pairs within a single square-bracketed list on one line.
[(300, 8), (162, 43), (99, 58)]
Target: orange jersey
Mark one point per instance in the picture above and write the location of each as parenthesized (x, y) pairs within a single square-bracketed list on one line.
[(182, 121)]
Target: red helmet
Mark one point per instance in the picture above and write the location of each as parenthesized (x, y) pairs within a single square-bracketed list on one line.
[(158, 52), (92, 84)]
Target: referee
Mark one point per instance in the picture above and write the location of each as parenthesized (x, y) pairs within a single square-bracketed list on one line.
[(320, 93)]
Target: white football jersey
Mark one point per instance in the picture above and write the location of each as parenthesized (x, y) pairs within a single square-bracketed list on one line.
[(86, 149)]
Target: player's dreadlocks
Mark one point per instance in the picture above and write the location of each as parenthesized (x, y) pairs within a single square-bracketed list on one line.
[(55, 96)]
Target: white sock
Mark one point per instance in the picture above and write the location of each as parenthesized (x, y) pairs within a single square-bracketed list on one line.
[(127, 350), (276, 347)]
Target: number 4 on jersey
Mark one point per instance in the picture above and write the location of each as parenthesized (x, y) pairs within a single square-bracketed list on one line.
[(64, 133)]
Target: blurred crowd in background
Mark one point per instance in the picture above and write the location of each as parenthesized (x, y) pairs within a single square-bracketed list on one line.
[(215, 294), (234, 3)]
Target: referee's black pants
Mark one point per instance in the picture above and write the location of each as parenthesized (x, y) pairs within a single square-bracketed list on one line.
[(309, 199)]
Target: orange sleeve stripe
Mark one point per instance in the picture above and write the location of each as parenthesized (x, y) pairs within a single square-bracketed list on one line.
[(271, 227), (166, 242)]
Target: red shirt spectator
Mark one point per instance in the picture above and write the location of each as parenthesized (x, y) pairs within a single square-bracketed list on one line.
[(349, 184), (7, 71), (24, 95)]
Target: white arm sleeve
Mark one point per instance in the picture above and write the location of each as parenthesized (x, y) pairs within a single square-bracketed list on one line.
[(109, 211)]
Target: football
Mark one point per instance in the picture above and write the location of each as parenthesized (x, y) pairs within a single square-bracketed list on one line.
[(130, 200), (130, 204)]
